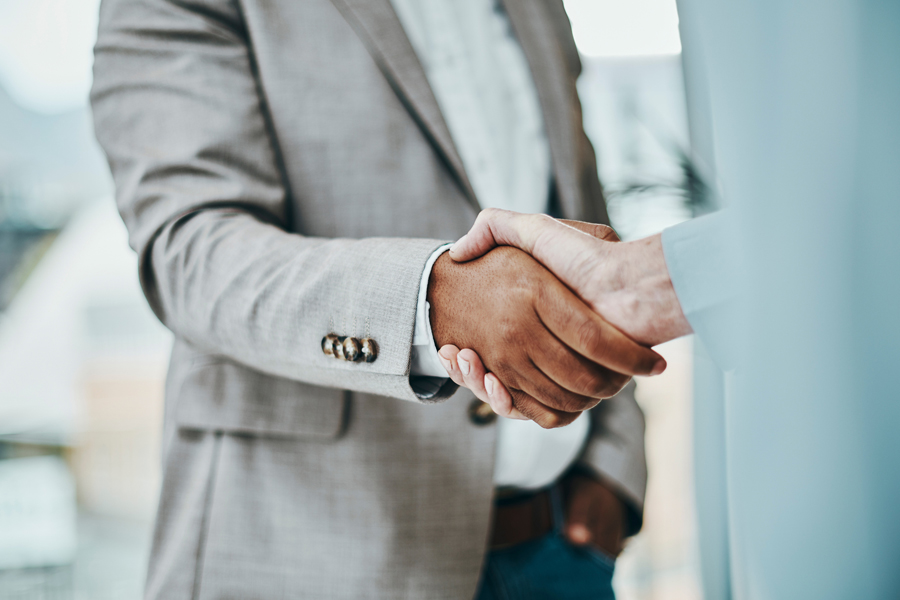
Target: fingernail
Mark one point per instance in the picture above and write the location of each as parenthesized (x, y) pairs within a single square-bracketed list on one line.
[(659, 367), (489, 384), (579, 534), (445, 363), (463, 365)]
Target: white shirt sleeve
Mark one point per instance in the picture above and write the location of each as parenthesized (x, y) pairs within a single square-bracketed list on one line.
[(426, 373)]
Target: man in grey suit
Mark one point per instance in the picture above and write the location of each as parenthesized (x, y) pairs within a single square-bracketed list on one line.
[(289, 172)]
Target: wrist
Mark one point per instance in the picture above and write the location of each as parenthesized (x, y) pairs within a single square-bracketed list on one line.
[(636, 292), (441, 279)]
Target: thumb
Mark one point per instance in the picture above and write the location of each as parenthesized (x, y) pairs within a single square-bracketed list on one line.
[(601, 232), (578, 530), (494, 227)]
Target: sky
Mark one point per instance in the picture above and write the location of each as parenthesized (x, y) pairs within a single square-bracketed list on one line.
[(46, 58), (618, 28)]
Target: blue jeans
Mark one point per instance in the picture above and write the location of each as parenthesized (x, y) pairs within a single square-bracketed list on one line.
[(549, 568)]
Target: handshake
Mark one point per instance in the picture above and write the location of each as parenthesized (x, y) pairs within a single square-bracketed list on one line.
[(542, 318)]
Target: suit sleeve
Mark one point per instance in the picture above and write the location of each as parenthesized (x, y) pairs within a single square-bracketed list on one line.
[(615, 451), (180, 115)]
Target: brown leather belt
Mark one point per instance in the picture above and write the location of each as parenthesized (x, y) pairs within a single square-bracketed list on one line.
[(521, 519)]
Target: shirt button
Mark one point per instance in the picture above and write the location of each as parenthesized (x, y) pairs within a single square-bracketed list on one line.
[(481, 413)]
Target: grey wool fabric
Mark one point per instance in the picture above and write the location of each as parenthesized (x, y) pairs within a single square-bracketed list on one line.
[(284, 172)]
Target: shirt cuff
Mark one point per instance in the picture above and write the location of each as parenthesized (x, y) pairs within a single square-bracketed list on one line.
[(426, 373), (702, 262)]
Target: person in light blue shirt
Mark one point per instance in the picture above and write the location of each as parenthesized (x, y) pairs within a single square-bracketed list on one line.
[(793, 288), (654, 290)]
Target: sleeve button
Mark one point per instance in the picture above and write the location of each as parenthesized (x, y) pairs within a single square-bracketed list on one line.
[(339, 349), (369, 349), (328, 344), (351, 349)]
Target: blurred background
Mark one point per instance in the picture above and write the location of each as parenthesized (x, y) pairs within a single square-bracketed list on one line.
[(82, 358)]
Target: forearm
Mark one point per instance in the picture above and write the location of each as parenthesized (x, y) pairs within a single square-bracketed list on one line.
[(179, 112), (250, 291)]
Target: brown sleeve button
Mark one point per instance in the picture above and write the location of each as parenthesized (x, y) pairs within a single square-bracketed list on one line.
[(369, 349), (328, 344), (481, 413), (339, 349), (351, 349)]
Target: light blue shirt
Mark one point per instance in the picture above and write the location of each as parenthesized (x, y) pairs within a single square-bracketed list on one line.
[(803, 97), (702, 264)]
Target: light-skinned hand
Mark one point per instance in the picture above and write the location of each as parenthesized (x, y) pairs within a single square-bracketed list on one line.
[(627, 283)]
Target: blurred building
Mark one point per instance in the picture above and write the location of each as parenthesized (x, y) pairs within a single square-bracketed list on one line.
[(82, 363)]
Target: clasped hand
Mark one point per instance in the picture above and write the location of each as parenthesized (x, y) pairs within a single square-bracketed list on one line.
[(531, 347)]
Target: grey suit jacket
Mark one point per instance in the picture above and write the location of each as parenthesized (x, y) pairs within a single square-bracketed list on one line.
[(284, 172)]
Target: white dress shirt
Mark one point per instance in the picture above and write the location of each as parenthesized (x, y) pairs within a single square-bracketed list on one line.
[(483, 85)]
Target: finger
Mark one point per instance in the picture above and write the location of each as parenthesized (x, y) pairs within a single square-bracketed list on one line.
[(476, 379), (497, 395), (448, 355), (501, 400), (574, 372), (537, 385), (585, 332), (534, 410), (473, 373), (578, 518), (601, 232)]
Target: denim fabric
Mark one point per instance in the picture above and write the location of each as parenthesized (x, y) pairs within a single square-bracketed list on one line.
[(549, 568)]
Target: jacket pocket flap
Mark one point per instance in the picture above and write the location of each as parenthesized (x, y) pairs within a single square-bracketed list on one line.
[(226, 396)]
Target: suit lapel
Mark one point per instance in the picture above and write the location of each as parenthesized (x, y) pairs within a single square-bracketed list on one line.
[(377, 25), (556, 93)]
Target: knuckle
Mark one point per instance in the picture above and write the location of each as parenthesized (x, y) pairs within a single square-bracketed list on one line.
[(506, 376), (568, 418), (538, 220), (615, 385), (609, 233), (591, 337), (572, 403), (592, 384), (507, 330), (552, 420), (549, 421), (486, 215), (519, 403)]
